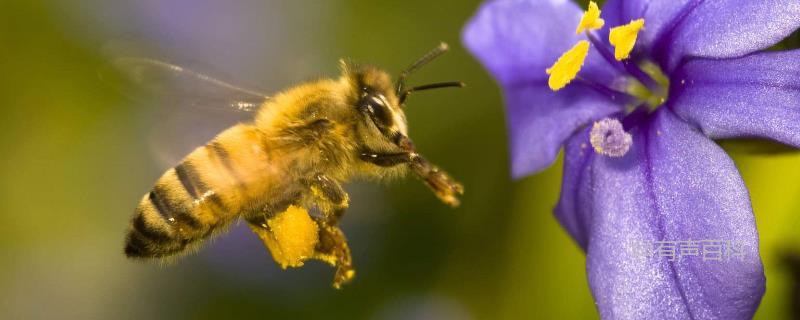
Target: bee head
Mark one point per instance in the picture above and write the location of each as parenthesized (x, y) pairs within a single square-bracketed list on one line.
[(381, 101), (376, 100)]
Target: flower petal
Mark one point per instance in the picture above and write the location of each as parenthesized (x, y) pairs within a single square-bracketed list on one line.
[(540, 120), (658, 16), (574, 205), (673, 185), (712, 29), (753, 96), (728, 28), (517, 40), (619, 12)]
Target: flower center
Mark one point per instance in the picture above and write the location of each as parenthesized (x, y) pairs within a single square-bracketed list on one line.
[(645, 86), (622, 38), (650, 96)]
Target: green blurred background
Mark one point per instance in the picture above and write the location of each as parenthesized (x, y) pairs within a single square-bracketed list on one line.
[(77, 155)]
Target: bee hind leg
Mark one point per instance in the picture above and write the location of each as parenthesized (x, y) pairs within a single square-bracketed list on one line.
[(329, 196), (332, 248)]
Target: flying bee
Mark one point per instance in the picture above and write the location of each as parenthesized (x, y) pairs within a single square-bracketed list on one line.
[(302, 144)]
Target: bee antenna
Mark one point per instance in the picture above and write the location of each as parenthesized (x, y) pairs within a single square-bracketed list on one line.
[(437, 85), (428, 57)]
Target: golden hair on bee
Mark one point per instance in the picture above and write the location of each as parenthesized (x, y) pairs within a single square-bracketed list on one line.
[(301, 146)]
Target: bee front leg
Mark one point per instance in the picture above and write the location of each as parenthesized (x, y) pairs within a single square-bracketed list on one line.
[(387, 159), (445, 187)]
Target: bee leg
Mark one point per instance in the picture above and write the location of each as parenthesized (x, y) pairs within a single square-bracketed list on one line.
[(445, 187), (332, 248), (293, 236), (287, 230), (271, 210), (331, 198), (386, 159)]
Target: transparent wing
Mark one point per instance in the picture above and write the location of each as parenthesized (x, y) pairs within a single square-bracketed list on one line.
[(176, 127), (179, 86)]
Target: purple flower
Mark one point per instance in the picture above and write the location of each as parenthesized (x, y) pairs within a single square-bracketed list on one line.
[(640, 163)]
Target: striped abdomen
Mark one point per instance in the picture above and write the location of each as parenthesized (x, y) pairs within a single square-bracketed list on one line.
[(206, 191)]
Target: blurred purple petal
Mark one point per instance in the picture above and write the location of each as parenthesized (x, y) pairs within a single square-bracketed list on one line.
[(673, 185), (540, 120), (754, 96), (517, 40)]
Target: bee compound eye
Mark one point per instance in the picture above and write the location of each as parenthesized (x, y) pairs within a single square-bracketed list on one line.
[(378, 111)]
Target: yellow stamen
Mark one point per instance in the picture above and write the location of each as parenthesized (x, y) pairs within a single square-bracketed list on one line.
[(624, 37), (591, 19), (567, 66)]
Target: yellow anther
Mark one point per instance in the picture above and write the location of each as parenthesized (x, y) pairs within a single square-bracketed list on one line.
[(567, 66), (591, 19), (624, 37)]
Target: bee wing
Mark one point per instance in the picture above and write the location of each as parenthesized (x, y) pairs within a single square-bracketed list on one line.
[(180, 92), (179, 86)]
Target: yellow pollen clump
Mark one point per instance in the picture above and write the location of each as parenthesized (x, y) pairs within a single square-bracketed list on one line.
[(591, 19), (566, 68), (292, 236), (624, 37)]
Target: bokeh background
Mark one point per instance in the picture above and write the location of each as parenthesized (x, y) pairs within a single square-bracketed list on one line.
[(79, 146)]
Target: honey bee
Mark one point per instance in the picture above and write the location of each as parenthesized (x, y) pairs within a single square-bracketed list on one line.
[(296, 153)]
